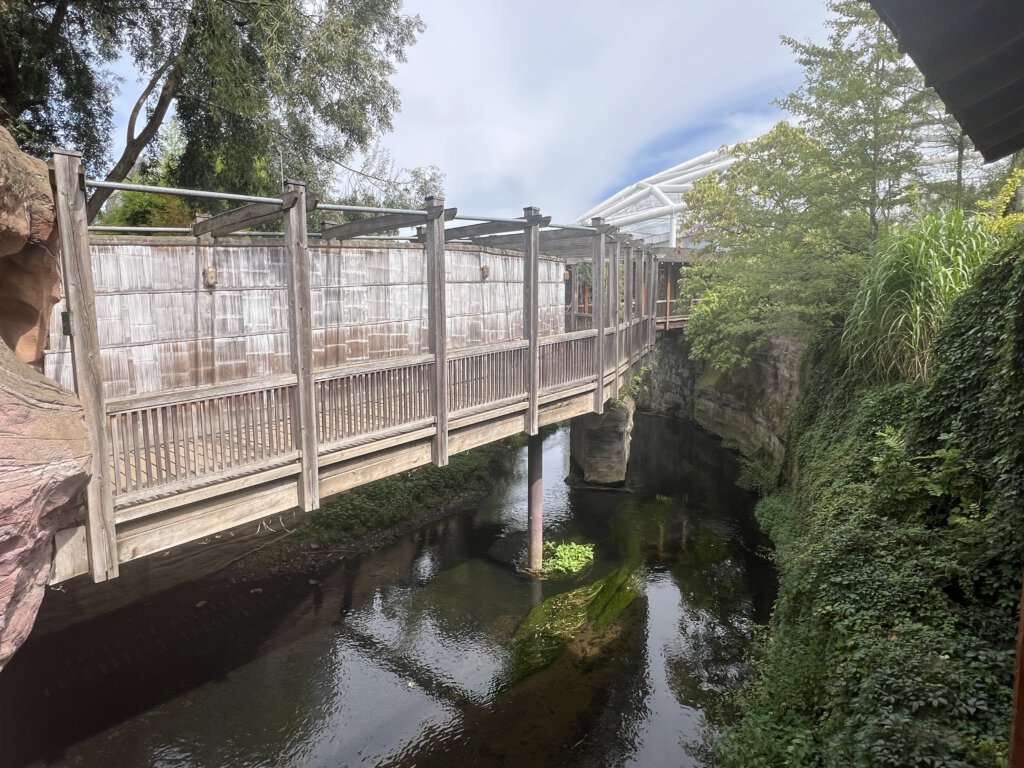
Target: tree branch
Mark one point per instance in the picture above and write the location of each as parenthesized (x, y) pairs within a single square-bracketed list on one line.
[(143, 98), (136, 144)]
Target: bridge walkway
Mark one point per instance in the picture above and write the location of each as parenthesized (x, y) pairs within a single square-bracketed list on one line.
[(230, 377)]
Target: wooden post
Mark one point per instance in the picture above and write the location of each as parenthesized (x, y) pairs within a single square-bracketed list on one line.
[(531, 313), (437, 324), (535, 502), (597, 295), (644, 299), (86, 362), (296, 247), (652, 299), (630, 251), (1017, 713), (613, 299), (668, 293), (574, 296)]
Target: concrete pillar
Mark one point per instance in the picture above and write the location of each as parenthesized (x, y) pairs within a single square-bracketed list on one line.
[(599, 444), (535, 504)]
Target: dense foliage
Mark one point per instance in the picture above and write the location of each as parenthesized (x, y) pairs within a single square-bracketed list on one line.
[(900, 557), (785, 232)]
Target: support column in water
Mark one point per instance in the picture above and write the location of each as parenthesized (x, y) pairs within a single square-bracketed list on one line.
[(535, 503)]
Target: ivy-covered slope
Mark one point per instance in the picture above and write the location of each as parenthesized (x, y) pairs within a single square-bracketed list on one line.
[(900, 545)]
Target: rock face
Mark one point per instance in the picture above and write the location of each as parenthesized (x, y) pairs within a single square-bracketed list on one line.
[(599, 445), (748, 408), (44, 455), (29, 279), (672, 381)]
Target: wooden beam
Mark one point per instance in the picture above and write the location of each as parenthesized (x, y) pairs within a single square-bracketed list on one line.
[(437, 325), (613, 303), (384, 223), (598, 293), (483, 229), (574, 296), (86, 363), (301, 327), (245, 217), (531, 312), (551, 237)]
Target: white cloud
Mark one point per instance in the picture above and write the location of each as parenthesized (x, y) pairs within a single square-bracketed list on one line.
[(553, 103)]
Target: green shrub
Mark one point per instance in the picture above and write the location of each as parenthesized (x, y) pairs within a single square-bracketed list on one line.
[(567, 558)]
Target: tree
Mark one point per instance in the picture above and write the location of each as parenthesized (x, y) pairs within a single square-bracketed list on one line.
[(780, 252), (787, 229), (864, 102), (262, 88)]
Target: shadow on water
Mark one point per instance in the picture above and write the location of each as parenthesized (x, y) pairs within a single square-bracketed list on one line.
[(410, 654)]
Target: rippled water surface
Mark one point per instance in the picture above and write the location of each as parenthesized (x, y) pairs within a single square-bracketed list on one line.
[(402, 656)]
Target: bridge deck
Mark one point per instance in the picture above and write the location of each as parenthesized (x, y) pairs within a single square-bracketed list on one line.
[(228, 380)]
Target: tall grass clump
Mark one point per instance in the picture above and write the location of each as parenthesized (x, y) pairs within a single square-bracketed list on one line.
[(908, 289)]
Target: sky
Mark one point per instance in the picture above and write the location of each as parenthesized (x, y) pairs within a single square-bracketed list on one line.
[(559, 104)]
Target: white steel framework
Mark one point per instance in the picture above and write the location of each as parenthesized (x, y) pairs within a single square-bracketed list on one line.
[(649, 208)]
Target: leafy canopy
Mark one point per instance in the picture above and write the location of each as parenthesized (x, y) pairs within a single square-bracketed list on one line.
[(262, 89)]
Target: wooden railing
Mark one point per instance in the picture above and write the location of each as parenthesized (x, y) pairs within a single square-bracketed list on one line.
[(482, 375), (567, 359), (371, 398), (175, 439), (194, 437)]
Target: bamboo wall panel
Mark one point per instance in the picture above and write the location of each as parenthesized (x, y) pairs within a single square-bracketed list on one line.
[(161, 329)]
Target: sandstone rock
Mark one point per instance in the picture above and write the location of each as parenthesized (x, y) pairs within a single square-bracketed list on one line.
[(749, 408), (29, 278), (599, 445), (44, 462)]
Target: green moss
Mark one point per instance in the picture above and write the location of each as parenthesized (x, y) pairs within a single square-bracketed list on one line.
[(408, 497), (552, 625)]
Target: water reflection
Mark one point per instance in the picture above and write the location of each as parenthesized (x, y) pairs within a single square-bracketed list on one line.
[(401, 657)]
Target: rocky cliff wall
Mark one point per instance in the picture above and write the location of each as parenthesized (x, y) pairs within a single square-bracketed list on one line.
[(44, 455), (44, 449), (748, 408), (29, 277)]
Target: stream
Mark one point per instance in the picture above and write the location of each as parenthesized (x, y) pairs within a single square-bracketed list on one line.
[(403, 656)]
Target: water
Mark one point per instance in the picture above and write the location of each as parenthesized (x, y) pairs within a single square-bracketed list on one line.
[(402, 656)]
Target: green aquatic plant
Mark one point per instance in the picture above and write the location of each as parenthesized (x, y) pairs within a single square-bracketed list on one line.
[(567, 558)]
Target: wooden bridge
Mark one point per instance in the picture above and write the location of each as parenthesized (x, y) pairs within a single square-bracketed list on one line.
[(228, 377)]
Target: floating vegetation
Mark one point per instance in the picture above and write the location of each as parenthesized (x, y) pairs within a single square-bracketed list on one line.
[(567, 558)]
